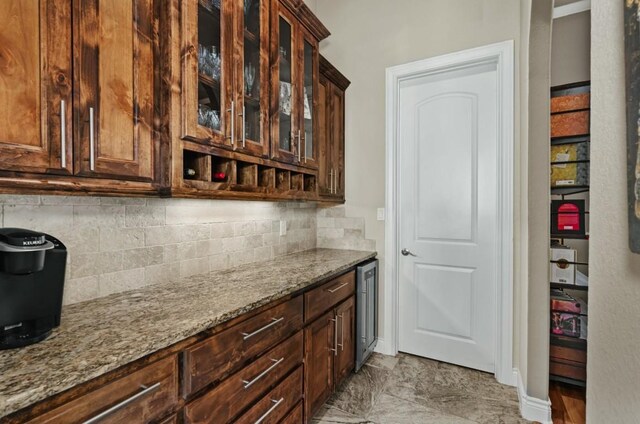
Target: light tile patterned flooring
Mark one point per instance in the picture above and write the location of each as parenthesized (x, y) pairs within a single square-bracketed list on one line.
[(412, 390)]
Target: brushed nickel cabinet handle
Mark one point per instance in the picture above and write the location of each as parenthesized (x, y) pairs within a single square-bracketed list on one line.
[(92, 141), (338, 288), (299, 149), (341, 345), (115, 408), (273, 322), (276, 403), (232, 112), (250, 383), (335, 336), (304, 134), (244, 127), (331, 181), (63, 134)]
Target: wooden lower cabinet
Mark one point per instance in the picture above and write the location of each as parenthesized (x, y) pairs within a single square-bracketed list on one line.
[(296, 416), (210, 360), (319, 357), (144, 396), (345, 358), (227, 400), (268, 366), (274, 406)]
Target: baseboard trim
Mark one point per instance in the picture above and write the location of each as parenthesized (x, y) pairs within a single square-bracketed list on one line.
[(383, 348), (532, 409)]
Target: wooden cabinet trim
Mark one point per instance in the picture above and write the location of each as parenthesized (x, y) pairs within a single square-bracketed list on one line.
[(333, 74)]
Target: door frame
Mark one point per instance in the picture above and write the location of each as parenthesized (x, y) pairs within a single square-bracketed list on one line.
[(502, 54)]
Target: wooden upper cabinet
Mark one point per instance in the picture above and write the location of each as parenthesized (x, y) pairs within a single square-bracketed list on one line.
[(309, 109), (325, 158), (251, 62), (294, 89), (331, 131), (35, 82), (284, 76), (209, 107), (114, 46), (337, 140)]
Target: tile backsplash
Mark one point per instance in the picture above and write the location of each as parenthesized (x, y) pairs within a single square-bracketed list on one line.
[(338, 231), (118, 244)]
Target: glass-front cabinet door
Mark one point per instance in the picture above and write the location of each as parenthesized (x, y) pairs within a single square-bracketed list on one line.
[(209, 108), (308, 121), (252, 83), (284, 123)]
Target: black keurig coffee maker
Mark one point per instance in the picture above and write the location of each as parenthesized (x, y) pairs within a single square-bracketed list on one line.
[(32, 267)]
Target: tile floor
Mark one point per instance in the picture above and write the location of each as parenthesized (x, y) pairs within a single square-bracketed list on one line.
[(412, 390)]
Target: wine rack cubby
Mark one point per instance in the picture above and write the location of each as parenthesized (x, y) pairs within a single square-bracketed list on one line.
[(231, 176)]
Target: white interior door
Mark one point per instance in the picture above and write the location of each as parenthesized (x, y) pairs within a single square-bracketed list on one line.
[(447, 148)]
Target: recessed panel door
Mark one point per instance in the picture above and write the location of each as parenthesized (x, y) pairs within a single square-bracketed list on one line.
[(285, 59), (252, 82), (115, 88), (35, 86), (447, 177)]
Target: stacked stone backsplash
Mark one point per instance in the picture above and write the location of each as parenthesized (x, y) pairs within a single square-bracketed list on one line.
[(118, 244), (337, 231)]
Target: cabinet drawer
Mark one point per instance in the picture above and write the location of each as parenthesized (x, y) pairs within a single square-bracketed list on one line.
[(146, 395), (240, 390), (323, 298), (566, 353), (275, 405), (225, 352), (295, 416)]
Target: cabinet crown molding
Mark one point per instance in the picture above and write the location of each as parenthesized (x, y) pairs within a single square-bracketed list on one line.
[(307, 18), (333, 75)]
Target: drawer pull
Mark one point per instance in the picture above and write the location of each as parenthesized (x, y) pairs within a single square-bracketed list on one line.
[(260, 330), (276, 362), (338, 288), (266, 414), (115, 408)]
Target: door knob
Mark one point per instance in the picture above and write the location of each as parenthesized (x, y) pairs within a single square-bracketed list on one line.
[(406, 252)]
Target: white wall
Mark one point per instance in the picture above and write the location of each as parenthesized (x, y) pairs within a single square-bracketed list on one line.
[(370, 35), (536, 318), (613, 366), (571, 49)]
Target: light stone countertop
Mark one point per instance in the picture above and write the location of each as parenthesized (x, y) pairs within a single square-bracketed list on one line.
[(100, 335)]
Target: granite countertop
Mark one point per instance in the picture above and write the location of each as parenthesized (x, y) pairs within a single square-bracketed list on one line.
[(98, 336)]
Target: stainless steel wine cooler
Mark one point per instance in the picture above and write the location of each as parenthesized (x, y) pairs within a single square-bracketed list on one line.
[(367, 311)]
